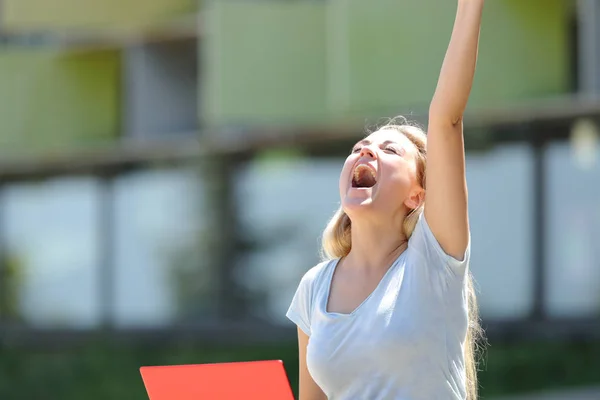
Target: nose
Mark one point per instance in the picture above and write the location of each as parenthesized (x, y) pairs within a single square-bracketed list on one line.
[(367, 151)]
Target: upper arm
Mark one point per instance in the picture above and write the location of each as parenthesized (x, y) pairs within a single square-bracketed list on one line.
[(446, 199), (309, 390)]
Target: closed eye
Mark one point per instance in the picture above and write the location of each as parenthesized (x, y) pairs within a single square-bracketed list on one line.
[(392, 149)]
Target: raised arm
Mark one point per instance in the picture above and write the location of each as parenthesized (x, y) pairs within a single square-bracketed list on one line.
[(446, 188)]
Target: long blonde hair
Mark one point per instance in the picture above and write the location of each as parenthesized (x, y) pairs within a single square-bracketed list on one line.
[(336, 243)]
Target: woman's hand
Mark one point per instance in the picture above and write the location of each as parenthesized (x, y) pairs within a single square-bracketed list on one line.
[(458, 70)]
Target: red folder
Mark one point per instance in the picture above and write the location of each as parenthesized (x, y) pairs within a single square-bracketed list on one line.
[(253, 380)]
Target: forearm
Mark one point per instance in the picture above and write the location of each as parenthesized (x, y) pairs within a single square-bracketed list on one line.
[(458, 69)]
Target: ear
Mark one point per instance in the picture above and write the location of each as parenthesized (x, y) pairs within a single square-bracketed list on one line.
[(416, 198)]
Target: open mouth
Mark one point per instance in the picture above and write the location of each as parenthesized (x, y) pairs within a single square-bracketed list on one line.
[(364, 177)]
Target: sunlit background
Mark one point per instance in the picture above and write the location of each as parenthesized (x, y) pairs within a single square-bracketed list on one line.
[(167, 167)]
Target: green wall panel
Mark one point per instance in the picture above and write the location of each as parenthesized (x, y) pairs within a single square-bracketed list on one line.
[(386, 54), (264, 62), (52, 101), (275, 61), (524, 52), (61, 14)]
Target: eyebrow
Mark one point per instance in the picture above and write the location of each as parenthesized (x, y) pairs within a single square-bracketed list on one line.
[(367, 142)]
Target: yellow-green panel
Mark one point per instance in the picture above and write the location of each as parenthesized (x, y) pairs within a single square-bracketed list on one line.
[(264, 62), (54, 101), (386, 54), (65, 14)]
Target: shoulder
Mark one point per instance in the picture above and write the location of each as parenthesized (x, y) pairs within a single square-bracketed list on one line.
[(314, 281), (301, 308), (424, 243), (316, 274)]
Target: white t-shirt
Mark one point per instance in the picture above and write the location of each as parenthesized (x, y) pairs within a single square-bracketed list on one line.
[(404, 342)]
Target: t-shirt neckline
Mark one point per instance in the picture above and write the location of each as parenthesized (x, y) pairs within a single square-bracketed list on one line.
[(366, 300)]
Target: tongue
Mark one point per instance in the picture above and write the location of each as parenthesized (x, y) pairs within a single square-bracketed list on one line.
[(365, 180)]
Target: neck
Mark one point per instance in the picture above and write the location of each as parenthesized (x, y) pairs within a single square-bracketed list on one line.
[(376, 244)]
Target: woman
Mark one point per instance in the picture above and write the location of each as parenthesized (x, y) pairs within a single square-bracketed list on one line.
[(392, 313)]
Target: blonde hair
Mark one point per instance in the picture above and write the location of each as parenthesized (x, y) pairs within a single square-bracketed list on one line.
[(336, 243)]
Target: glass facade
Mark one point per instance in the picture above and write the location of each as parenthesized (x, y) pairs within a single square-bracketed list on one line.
[(51, 232), (573, 234), (53, 239), (500, 206)]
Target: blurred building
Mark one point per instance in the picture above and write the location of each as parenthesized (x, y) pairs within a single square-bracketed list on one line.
[(169, 164)]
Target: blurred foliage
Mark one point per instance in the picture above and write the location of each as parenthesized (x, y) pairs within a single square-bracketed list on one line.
[(526, 367), (104, 370), (12, 270)]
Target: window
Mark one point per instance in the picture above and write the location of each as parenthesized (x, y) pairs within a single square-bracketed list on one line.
[(500, 205), (159, 278), (286, 205), (161, 89), (52, 235), (56, 267), (573, 233)]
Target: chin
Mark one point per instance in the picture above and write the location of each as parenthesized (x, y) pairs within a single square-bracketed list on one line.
[(358, 200)]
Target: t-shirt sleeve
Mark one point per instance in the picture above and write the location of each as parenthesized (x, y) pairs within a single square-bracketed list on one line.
[(424, 242), (300, 310)]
